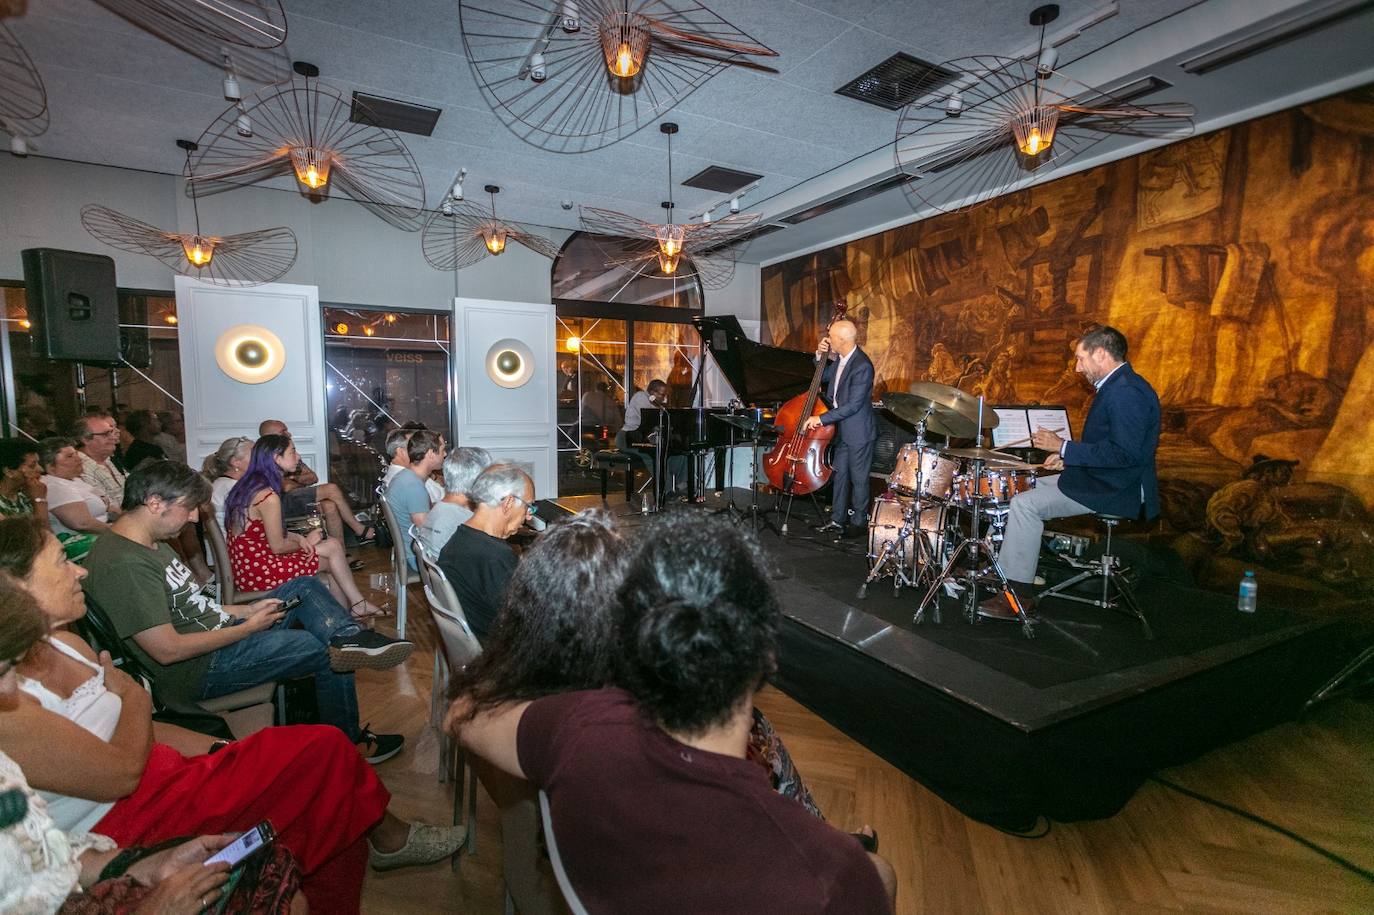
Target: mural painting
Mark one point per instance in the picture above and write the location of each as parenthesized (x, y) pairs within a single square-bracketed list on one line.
[(1240, 266)]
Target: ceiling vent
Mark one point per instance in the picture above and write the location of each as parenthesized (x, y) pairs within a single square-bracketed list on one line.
[(767, 228), (720, 179), (896, 82), (1310, 18), (391, 114), (849, 199)]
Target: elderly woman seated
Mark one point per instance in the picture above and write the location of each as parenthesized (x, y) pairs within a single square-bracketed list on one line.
[(75, 507)]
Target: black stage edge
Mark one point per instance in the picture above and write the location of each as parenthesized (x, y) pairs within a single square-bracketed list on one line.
[(1066, 725)]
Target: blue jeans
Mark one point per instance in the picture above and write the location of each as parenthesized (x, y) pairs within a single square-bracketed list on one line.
[(282, 653)]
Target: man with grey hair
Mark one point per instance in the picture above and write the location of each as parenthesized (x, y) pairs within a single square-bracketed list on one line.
[(461, 469), (97, 437), (477, 560)]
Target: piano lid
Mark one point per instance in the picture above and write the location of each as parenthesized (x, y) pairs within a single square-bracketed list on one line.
[(759, 374)]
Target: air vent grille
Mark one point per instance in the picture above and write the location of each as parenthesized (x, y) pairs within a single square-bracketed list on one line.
[(853, 197), (756, 232), (896, 82), (406, 117), (720, 179)]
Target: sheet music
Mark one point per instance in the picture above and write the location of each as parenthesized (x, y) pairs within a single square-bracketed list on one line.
[(1056, 420), (1013, 429)]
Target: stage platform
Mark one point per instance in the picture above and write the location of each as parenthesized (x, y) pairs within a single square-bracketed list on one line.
[(1067, 724)]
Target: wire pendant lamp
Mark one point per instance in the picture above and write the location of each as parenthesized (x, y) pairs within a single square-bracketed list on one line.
[(461, 233), (302, 128), (1002, 124), (245, 259), (706, 251), (23, 97), (574, 75)]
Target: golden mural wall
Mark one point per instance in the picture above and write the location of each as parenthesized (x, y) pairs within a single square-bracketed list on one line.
[(1240, 266)]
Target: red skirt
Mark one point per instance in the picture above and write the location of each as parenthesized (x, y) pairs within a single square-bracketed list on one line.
[(320, 794)]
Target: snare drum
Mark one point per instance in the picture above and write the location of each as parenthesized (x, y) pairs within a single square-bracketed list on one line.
[(885, 523), (936, 473), (996, 487)]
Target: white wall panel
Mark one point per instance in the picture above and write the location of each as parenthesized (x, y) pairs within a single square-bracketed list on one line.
[(514, 424), (217, 406)]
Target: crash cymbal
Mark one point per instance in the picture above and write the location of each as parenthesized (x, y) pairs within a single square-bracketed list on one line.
[(939, 418), (986, 455), (961, 402)]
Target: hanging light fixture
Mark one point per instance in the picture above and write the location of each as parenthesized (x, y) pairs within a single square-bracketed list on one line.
[(304, 127), (705, 250), (246, 259), (23, 97), (653, 54), (1005, 123), (461, 233)]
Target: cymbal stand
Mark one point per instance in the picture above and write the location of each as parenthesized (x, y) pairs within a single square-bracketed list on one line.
[(893, 558)]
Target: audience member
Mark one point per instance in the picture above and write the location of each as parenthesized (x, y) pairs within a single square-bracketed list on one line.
[(461, 469), (397, 441), (223, 468), (172, 438), (263, 553), (23, 494), (84, 736), (661, 761), (97, 438), (406, 493), (196, 649), (74, 507), (600, 408), (144, 427), (303, 488), (477, 560)]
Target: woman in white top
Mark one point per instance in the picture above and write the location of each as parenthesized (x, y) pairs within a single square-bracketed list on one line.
[(41, 864), (223, 469), (74, 506)]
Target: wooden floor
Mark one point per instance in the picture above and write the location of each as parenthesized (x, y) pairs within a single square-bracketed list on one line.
[(1163, 853)]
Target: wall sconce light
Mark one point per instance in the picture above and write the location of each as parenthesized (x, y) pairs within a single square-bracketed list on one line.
[(510, 363), (250, 354)]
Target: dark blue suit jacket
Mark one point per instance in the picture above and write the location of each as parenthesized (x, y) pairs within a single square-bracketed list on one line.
[(854, 415), (1113, 461)]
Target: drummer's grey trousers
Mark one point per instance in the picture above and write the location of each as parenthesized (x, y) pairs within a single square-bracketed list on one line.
[(1026, 522)]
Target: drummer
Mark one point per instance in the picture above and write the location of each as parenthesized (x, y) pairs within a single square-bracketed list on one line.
[(1110, 470)]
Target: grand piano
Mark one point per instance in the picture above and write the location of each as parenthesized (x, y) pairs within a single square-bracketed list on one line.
[(763, 377)]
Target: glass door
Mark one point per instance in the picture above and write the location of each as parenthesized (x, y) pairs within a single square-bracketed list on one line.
[(593, 356)]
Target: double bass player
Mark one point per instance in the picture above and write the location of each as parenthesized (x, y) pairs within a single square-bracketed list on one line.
[(847, 388)]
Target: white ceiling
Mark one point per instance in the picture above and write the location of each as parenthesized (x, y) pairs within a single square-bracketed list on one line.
[(119, 96)]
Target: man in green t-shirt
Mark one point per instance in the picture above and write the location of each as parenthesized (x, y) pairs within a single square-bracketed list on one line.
[(194, 647)]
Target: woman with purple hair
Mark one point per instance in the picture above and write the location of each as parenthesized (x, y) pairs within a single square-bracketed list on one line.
[(262, 552)]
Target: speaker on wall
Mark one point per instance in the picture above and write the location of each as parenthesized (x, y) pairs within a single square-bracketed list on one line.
[(73, 305)]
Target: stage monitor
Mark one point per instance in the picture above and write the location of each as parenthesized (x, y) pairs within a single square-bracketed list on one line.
[(1016, 423)]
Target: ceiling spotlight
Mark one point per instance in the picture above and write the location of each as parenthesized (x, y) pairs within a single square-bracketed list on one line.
[(954, 105), (706, 217), (457, 191), (734, 204), (447, 208), (568, 18), (19, 146), (566, 204), (231, 87), (1044, 66), (243, 124), (538, 71)]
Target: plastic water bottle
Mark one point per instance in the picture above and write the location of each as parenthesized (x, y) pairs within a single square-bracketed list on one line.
[(1249, 591)]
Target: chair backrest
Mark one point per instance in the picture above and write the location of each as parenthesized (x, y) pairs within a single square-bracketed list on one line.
[(565, 886), (460, 645), (398, 538), (219, 547), (98, 629)]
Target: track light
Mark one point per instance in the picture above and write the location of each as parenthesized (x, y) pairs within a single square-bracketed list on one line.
[(446, 208), (569, 18), (1044, 66), (243, 123), (232, 92), (19, 146), (734, 204), (954, 105), (538, 71), (706, 218), (456, 193)]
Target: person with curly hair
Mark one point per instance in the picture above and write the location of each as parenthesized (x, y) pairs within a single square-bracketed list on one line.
[(649, 782)]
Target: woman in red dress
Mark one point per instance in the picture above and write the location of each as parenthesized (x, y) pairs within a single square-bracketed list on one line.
[(83, 734), (263, 554)]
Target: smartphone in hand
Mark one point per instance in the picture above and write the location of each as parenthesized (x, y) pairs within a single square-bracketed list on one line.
[(251, 842)]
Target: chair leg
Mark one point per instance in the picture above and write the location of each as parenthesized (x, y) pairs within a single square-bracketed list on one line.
[(604, 482), (402, 591)]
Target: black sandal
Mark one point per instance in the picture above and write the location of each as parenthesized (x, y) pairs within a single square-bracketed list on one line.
[(356, 565), (368, 535)]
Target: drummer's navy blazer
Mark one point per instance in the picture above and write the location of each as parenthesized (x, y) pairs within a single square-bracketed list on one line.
[(854, 415), (1111, 468)]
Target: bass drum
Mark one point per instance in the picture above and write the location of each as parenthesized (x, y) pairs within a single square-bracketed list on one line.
[(885, 523)]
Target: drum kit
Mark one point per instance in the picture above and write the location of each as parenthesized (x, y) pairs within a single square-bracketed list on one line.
[(938, 525)]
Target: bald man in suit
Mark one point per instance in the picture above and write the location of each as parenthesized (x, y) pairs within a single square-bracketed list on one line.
[(847, 387)]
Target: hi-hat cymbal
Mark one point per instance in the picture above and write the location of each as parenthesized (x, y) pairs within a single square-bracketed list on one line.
[(986, 455), (961, 402), (938, 418)]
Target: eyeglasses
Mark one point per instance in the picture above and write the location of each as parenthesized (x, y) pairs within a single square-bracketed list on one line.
[(106, 434), (530, 508)]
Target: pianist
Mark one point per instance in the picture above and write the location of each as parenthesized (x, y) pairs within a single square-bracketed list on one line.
[(640, 429)]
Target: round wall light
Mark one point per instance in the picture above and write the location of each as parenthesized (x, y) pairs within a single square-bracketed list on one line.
[(510, 363), (250, 354)]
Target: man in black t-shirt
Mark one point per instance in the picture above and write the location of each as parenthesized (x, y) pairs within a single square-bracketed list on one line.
[(477, 559)]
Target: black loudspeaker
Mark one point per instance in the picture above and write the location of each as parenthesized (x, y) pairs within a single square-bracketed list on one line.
[(73, 305)]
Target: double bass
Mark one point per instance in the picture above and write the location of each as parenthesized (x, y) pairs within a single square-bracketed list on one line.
[(798, 463)]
